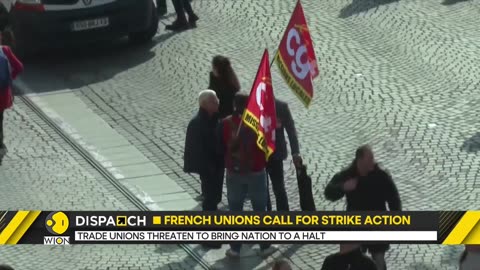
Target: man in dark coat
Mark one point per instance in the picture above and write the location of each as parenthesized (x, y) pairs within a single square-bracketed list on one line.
[(286, 123), (367, 187), (350, 257), (201, 156), (161, 7)]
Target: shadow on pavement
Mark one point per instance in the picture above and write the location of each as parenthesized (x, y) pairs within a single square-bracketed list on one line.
[(453, 2), (186, 263), (358, 6), (79, 66), (291, 250), (472, 144), (248, 260), (422, 266), (244, 263)]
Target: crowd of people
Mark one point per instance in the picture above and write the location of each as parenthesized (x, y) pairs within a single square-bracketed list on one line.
[(217, 147), (217, 142)]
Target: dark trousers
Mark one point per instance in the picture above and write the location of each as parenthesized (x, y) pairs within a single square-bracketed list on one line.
[(2, 145), (275, 173), (212, 187), (162, 4), (182, 6)]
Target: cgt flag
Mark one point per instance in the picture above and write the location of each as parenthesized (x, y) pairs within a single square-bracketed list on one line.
[(296, 57), (260, 114)]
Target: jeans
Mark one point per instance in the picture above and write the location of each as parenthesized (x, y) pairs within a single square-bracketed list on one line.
[(182, 6), (212, 187), (275, 171), (238, 187)]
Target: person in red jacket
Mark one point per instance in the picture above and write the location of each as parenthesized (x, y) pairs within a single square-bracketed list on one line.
[(245, 165), (6, 96)]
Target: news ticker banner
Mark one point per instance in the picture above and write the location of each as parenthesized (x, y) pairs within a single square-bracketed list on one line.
[(87, 227)]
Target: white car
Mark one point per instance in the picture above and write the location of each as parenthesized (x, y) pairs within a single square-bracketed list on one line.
[(38, 24)]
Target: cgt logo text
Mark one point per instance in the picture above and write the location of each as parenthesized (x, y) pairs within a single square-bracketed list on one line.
[(56, 223), (110, 221)]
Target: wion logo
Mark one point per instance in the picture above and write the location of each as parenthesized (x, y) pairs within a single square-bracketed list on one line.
[(57, 224)]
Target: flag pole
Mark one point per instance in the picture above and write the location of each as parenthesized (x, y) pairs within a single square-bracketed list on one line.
[(273, 59), (284, 32)]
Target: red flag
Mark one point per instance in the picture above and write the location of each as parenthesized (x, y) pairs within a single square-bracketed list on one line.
[(260, 114), (296, 57)]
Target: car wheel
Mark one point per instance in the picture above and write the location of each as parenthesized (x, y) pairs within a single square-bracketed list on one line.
[(149, 33)]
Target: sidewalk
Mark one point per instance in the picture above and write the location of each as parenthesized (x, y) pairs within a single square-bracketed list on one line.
[(42, 172)]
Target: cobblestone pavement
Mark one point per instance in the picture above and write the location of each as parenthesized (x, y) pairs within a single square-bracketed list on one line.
[(400, 75), (41, 172)]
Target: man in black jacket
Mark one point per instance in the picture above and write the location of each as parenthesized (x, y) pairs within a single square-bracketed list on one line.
[(367, 187), (286, 123), (161, 7), (201, 156), (350, 257)]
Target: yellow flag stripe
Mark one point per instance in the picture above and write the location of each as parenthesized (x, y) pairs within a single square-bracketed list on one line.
[(252, 122), (296, 88), (23, 227), (463, 228), (12, 226)]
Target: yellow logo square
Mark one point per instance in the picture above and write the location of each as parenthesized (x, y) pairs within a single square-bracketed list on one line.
[(157, 220), (121, 221)]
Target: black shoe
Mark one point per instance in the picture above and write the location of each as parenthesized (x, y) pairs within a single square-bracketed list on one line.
[(177, 26), (192, 20)]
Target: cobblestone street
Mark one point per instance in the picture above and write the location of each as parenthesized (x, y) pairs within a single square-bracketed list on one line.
[(58, 178), (402, 76)]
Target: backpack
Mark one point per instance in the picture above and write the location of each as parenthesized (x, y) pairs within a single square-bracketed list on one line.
[(240, 147), (5, 75)]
